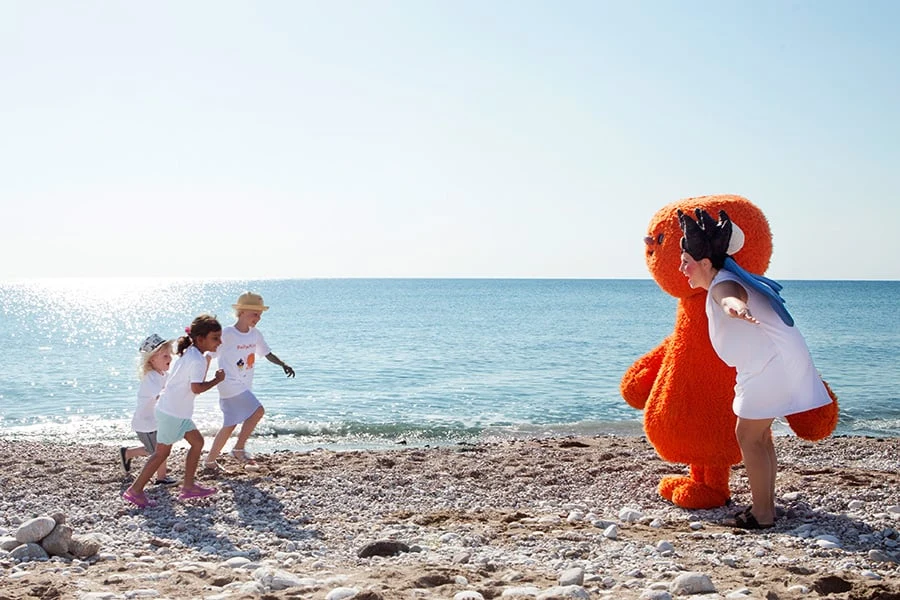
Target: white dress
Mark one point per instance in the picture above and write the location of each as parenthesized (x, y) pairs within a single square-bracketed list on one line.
[(775, 373)]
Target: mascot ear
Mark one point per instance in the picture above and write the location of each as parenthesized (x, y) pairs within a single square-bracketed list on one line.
[(693, 239)]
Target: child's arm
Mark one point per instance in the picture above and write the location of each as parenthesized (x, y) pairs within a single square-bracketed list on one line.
[(274, 359), (199, 388)]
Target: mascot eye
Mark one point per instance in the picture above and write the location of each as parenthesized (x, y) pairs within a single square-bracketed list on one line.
[(650, 240)]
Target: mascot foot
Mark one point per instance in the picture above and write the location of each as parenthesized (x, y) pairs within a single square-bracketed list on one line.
[(687, 493)]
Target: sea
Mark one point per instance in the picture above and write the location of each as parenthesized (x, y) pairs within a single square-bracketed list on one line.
[(382, 363)]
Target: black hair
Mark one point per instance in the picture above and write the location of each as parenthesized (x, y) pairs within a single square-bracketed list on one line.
[(200, 327), (706, 238)]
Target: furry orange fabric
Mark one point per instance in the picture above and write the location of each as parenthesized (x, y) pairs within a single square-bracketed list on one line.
[(683, 387)]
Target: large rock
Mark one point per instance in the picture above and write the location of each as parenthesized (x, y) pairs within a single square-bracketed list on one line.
[(7, 543), (29, 551), (84, 547), (57, 543), (34, 530)]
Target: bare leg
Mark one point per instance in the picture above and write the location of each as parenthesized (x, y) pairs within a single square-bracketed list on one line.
[(754, 436), (135, 452), (218, 443), (161, 471), (195, 439), (156, 459), (247, 428)]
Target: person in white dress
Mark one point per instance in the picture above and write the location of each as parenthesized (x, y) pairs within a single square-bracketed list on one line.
[(751, 331)]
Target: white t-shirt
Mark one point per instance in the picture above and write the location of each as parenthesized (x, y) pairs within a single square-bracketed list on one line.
[(177, 399), (144, 420), (237, 356)]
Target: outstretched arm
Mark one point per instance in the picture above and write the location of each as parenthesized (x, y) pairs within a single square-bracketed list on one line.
[(732, 297), (274, 359)]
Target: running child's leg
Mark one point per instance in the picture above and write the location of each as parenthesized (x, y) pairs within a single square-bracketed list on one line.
[(218, 443)]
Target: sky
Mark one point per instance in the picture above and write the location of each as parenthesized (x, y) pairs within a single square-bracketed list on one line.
[(463, 138)]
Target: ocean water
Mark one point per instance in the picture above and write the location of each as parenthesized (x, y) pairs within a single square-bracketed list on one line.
[(381, 362)]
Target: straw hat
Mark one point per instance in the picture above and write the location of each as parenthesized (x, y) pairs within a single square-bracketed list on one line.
[(250, 301)]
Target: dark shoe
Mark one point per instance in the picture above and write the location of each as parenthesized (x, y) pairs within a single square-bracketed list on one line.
[(124, 463), (746, 520), (165, 481)]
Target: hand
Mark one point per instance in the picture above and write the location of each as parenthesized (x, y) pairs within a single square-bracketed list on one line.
[(742, 313), (220, 376), (288, 370)]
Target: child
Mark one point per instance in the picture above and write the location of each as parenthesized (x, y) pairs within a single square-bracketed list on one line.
[(237, 356), (156, 356), (176, 407)]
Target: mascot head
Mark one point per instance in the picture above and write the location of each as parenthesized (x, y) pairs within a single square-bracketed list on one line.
[(749, 239)]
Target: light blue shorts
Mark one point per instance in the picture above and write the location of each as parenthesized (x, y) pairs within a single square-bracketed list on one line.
[(238, 409), (170, 429)]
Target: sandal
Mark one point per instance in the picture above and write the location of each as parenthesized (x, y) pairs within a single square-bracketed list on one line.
[(165, 481), (195, 492), (124, 461), (243, 457), (139, 500), (212, 466), (746, 520)]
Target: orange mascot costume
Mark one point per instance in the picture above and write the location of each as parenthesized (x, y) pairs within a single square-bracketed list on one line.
[(683, 387)]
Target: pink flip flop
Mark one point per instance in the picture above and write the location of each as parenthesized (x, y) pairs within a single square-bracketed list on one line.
[(195, 492), (139, 500)]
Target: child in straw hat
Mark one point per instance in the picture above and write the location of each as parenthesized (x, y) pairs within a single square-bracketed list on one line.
[(241, 344)]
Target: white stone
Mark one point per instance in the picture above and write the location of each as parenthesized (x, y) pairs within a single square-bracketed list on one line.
[(569, 591), (827, 541), (573, 576), (521, 592), (664, 546), (142, 593), (738, 593), (278, 579), (655, 595), (237, 562), (468, 595), (34, 530), (855, 504), (611, 532), (96, 596), (791, 496), (341, 593), (630, 515), (869, 574), (7, 543), (692, 583), (696, 525)]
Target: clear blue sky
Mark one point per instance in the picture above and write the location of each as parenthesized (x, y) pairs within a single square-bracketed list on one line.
[(440, 139)]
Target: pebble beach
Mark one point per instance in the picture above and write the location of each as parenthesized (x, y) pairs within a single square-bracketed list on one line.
[(534, 518)]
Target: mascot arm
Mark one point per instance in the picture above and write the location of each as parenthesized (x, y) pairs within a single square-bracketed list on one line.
[(640, 377)]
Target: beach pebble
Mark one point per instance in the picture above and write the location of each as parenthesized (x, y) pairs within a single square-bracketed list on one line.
[(611, 532), (277, 579), (383, 548), (692, 583), (655, 595), (828, 541), (521, 592), (7, 543), (468, 595), (29, 551), (665, 547), (34, 530), (142, 593), (630, 515), (341, 593), (739, 593), (568, 591), (573, 576)]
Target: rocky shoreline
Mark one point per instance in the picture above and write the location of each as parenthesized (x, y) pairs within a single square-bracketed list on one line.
[(540, 518)]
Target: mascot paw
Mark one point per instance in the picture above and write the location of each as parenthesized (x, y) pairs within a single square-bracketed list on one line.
[(688, 493), (818, 423)]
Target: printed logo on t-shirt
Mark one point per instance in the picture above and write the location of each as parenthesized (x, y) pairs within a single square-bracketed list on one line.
[(251, 359)]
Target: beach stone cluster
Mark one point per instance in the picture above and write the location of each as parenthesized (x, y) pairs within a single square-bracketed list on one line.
[(42, 537)]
